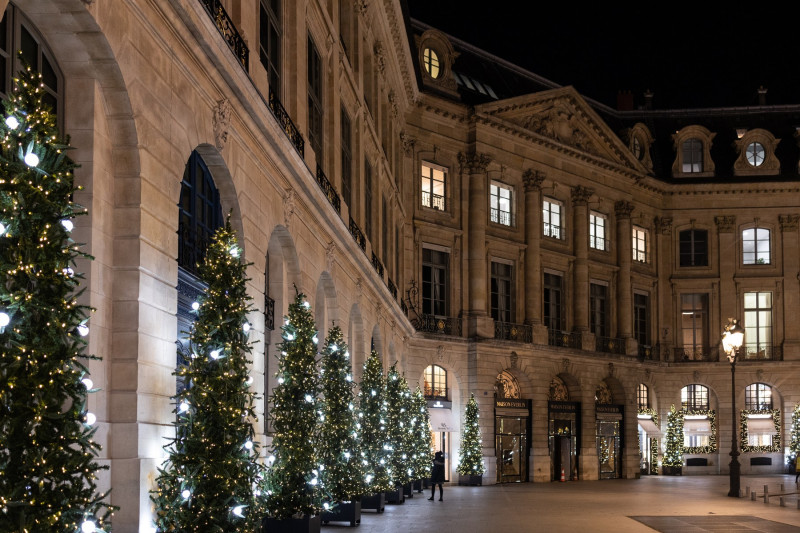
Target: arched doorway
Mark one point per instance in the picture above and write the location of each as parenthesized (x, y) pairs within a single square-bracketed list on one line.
[(564, 427), (609, 432), (512, 430)]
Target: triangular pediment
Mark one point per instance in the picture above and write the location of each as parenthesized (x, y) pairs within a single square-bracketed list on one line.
[(562, 117)]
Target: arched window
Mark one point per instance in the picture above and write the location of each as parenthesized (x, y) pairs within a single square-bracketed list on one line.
[(18, 33), (694, 397), (755, 246), (758, 397), (200, 216), (643, 396), (435, 383)]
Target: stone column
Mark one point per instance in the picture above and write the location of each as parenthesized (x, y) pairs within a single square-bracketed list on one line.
[(791, 286), (580, 280), (728, 259), (663, 310), (473, 167), (587, 460), (623, 210), (532, 181)]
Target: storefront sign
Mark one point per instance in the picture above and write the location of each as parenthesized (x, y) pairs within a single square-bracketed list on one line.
[(511, 403), (563, 407), (608, 409)]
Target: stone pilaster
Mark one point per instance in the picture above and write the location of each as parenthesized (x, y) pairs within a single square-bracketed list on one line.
[(791, 282), (663, 314), (728, 259), (623, 210), (532, 182), (580, 239)]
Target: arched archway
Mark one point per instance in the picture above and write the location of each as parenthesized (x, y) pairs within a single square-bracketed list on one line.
[(325, 307)]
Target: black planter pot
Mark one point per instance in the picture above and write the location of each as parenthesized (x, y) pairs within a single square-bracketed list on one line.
[(344, 512), (470, 480), (672, 470), (307, 524), (396, 496), (374, 502), (408, 490), (419, 485)]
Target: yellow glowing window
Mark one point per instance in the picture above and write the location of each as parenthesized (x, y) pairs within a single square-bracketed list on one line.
[(431, 62)]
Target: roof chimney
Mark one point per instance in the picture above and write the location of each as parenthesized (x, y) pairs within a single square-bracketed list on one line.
[(762, 96), (648, 99), (624, 101)]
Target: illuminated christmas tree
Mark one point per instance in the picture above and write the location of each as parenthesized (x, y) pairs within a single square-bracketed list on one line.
[(340, 442), (673, 451), (374, 437), (211, 479), (423, 454), (294, 476), (48, 473), (470, 457), (794, 443), (398, 398)]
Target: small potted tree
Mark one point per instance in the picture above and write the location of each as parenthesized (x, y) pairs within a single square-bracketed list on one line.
[(470, 464)]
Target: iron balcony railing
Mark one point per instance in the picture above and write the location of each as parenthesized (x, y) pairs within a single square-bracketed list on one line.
[(404, 307), (564, 339), (228, 31), (376, 263), (503, 218), (435, 393), (269, 312), (609, 345), (433, 200), (438, 324), (392, 288), (763, 352), (647, 352), (556, 232), (598, 243), (696, 353), (280, 114), (327, 188), (513, 332), (358, 235)]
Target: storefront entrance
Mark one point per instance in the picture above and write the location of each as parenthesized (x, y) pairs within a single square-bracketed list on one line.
[(564, 426), (512, 430), (609, 441)]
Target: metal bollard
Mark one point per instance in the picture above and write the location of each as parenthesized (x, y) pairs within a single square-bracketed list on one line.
[(753, 497), (766, 493), (783, 503)]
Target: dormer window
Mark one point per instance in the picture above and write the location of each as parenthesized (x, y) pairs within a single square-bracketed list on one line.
[(755, 154), (436, 55), (431, 61), (693, 153), (756, 157)]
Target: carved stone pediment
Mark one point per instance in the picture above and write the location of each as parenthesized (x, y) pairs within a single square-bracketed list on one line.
[(560, 123)]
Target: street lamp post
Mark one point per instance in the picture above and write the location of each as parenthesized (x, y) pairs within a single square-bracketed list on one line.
[(732, 338)]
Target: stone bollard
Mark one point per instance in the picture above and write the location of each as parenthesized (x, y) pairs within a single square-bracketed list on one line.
[(783, 503)]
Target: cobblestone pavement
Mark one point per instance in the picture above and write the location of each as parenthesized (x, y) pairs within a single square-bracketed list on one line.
[(668, 503)]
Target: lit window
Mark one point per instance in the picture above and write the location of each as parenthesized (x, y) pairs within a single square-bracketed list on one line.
[(694, 398), (755, 246), (692, 156), (758, 325), (434, 179), (758, 397), (597, 232), (643, 396), (639, 244), (500, 204), (431, 62), (551, 216), (755, 154), (435, 378)]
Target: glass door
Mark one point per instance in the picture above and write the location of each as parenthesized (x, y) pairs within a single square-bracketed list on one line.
[(441, 442), (512, 449), (608, 449)]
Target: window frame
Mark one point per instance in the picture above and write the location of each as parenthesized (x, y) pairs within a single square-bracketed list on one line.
[(270, 40), (641, 318), (695, 392), (431, 304), (431, 62), (758, 315), (504, 279), (436, 379), (642, 397), (549, 290), (316, 109), (432, 181), (599, 221), (757, 250), (640, 246), (693, 147), (496, 211), (552, 229), (599, 309), (689, 302), (346, 164), (693, 257), (756, 391)]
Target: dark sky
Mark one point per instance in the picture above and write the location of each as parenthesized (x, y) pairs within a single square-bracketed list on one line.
[(687, 53)]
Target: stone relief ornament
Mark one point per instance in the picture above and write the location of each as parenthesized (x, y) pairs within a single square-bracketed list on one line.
[(562, 125), (532, 179), (288, 206), (221, 122), (330, 255), (725, 224), (558, 391), (507, 385), (474, 162)]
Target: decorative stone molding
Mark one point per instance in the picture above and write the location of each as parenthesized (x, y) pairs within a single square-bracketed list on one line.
[(664, 225), (330, 256), (443, 48), (532, 180), (380, 56), (513, 359), (788, 222), (407, 143), (561, 124), (623, 209), (581, 195), (566, 366), (221, 122), (768, 165), (726, 224), (393, 103), (289, 205), (473, 162), (611, 370), (360, 6)]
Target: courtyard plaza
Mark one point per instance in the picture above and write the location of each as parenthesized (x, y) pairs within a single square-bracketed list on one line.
[(654, 503)]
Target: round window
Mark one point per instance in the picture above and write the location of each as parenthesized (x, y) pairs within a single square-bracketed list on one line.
[(431, 62), (755, 154)]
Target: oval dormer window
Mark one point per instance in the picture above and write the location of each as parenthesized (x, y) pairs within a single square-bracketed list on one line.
[(431, 61)]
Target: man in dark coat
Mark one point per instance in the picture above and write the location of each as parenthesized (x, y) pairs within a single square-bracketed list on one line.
[(437, 475)]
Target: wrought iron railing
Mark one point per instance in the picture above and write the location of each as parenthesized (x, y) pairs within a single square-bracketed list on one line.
[(435, 393), (555, 232), (392, 288), (647, 352), (228, 31), (609, 345), (696, 353), (404, 307), (282, 116), (564, 339), (435, 201), (327, 188), (358, 235), (502, 217), (376, 263), (513, 332), (763, 352), (598, 243), (438, 324), (269, 312)]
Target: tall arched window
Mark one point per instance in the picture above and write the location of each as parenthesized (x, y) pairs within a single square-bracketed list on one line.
[(694, 397), (642, 396), (758, 396), (18, 33), (435, 383), (200, 216)]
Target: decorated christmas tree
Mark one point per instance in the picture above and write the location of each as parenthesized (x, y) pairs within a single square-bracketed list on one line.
[(470, 457), (340, 444), (673, 452), (48, 473), (374, 438), (398, 398), (294, 477), (211, 479), (423, 454), (794, 442)]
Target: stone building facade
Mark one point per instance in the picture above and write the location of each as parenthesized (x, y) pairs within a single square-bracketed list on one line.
[(569, 264)]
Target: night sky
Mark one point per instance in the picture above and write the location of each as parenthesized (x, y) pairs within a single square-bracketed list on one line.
[(687, 53)]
